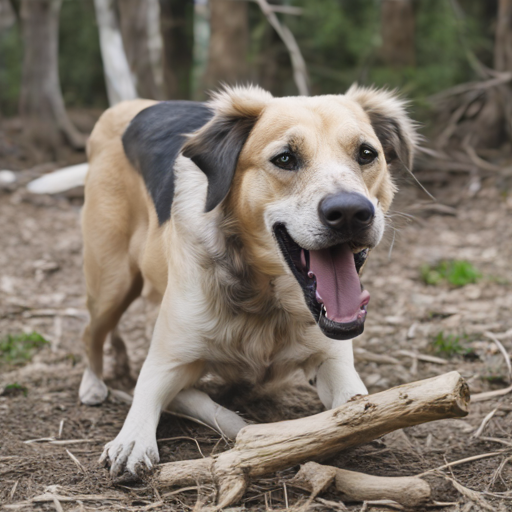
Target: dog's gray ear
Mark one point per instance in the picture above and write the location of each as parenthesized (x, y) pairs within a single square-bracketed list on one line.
[(390, 121), (215, 148)]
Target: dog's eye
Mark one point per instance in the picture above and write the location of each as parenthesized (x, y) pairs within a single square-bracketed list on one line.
[(366, 155), (285, 161)]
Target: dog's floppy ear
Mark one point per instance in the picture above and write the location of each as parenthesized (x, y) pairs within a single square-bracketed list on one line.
[(390, 121), (215, 148)]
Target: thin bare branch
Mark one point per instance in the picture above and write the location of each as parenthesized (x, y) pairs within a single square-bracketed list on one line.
[(489, 395), (300, 73), (482, 426), (462, 461), (503, 351)]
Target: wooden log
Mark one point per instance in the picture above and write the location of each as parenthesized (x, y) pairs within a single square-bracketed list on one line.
[(355, 486), (266, 448)]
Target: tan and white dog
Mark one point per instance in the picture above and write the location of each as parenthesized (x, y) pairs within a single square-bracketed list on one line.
[(250, 217)]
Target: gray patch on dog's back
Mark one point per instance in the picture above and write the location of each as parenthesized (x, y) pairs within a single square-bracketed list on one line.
[(153, 141)]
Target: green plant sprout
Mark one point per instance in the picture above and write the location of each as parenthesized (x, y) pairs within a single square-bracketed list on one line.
[(455, 272), (19, 348)]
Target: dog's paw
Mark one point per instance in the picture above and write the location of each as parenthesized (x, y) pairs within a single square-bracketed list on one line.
[(130, 457), (93, 391)]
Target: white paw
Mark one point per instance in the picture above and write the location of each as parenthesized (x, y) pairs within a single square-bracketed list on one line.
[(93, 391), (130, 456)]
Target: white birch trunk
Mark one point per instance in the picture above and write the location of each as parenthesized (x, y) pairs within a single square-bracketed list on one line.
[(118, 77)]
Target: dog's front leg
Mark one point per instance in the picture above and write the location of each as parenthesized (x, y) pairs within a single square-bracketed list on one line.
[(162, 377), (337, 380)]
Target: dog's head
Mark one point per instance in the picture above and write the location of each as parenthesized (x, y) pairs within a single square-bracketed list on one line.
[(309, 181)]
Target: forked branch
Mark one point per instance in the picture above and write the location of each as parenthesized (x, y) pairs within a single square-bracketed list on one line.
[(266, 448)]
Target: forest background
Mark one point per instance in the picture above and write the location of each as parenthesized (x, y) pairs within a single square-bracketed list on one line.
[(441, 281), (430, 46)]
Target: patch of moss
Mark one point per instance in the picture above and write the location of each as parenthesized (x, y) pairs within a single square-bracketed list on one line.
[(449, 345), (454, 272), (20, 348)]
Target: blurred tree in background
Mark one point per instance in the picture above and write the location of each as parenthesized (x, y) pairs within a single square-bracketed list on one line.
[(177, 29), (421, 46), (41, 107)]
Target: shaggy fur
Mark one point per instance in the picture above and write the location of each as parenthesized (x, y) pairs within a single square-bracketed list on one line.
[(230, 304)]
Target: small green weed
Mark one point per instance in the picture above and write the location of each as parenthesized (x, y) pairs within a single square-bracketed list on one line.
[(14, 389), (455, 272), (19, 348), (449, 345)]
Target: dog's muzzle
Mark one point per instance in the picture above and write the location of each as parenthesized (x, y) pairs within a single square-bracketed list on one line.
[(329, 279)]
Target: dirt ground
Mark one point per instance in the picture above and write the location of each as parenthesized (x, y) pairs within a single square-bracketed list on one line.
[(42, 289)]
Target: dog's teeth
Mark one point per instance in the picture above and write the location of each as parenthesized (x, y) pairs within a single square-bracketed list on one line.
[(311, 275)]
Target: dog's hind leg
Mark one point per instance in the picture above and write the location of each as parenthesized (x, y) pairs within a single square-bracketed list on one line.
[(198, 405), (120, 362), (108, 298)]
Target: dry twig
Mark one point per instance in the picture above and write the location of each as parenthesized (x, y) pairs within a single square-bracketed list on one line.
[(76, 461), (422, 357), (462, 461), (482, 426), (503, 351), (489, 395)]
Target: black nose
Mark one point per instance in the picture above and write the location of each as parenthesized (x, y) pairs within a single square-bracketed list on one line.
[(346, 210)]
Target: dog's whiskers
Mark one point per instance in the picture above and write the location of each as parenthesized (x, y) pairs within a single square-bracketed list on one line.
[(392, 242), (393, 214), (419, 183)]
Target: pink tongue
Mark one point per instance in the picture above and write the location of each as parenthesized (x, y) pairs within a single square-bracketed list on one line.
[(338, 283)]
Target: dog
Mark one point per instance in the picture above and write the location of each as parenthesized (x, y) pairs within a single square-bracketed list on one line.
[(250, 218)]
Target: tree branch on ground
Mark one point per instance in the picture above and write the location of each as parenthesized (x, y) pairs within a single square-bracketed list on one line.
[(267, 448)]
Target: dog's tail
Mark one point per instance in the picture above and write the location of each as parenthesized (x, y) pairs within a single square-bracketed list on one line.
[(59, 181)]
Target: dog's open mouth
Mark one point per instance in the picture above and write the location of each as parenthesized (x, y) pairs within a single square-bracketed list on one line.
[(330, 281)]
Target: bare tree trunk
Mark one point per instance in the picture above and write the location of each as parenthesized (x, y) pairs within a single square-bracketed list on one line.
[(41, 104), (120, 84), (229, 42), (201, 48), (503, 41), (176, 25), (397, 31), (7, 15), (495, 118), (134, 29), (156, 45), (273, 64)]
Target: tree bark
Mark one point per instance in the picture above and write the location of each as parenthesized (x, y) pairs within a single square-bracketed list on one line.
[(316, 478), (41, 103), (266, 448), (134, 30), (120, 84), (176, 25), (494, 121), (503, 41), (397, 31), (229, 43), (7, 15)]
